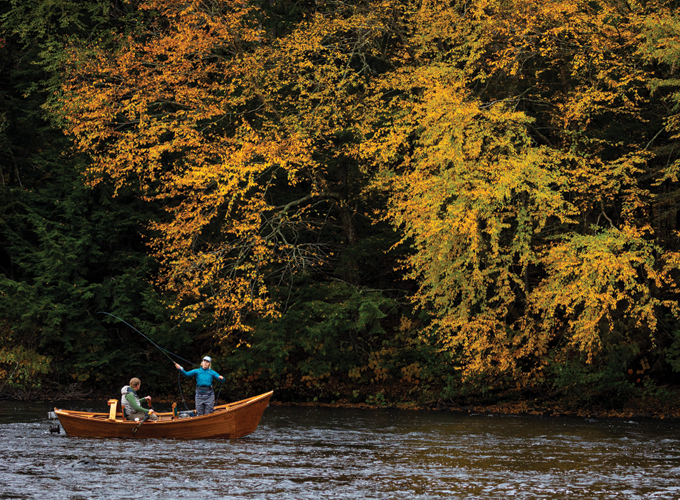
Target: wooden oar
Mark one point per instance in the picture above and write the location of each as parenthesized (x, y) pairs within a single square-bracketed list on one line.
[(134, 431), (146, 417)]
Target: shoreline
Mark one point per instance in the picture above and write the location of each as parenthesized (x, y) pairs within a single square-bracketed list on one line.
[(499, 409), (521, 407)]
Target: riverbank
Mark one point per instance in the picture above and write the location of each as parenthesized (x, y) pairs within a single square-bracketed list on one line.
[(666, 407), (506, 409), (528, 407)]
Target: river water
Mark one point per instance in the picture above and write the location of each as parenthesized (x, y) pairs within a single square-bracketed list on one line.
[(313, 453)]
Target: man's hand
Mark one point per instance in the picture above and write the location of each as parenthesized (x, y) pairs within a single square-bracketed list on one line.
[(177, 366), (148, 399), (221, 377)]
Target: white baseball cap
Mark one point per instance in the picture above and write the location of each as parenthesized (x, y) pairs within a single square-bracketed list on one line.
[(207, 358)]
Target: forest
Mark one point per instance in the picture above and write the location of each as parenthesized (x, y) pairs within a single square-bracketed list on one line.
[(385, 202)]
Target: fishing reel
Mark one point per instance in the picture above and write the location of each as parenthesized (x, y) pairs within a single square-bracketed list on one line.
[(54, 425)]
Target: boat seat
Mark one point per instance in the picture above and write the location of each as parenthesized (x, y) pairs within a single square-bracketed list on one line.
[(113, 403)]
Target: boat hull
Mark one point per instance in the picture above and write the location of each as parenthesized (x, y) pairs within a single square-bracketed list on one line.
[(230, 421)]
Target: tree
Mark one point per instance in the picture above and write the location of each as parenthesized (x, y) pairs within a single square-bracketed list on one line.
[(521, 175), (245, 138), (524, 151), (66, 251)]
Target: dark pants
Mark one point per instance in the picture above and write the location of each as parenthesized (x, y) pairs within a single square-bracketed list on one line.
[(205, 402)]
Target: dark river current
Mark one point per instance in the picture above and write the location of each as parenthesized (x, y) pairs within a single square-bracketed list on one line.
[(313, 453)]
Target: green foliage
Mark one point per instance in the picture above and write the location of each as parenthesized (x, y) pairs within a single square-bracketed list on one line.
[(525, 154), (66, 251), (525, 181), (672, 353), (584, 384), (335, 341), (21, 368), (69, 252)]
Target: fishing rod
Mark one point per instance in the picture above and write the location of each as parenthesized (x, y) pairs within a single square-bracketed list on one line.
[(166, 353)]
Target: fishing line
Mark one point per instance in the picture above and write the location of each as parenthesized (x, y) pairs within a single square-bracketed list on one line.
[(164, 351), (219, 392), (179, 384)]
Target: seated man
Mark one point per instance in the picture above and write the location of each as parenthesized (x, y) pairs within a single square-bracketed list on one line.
[(129, 400)]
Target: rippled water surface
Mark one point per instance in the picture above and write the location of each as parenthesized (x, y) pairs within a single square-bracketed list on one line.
[(310, 453)]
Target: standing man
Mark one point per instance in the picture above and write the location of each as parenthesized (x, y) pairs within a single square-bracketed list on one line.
[(205, 395)]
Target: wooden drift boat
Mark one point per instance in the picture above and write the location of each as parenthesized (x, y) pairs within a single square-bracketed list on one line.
[(230, 421)]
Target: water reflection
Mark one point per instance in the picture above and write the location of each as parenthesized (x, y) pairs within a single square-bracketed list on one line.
[(300, 453)]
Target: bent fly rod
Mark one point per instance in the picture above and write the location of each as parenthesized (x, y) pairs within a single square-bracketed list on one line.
[(164, 351)]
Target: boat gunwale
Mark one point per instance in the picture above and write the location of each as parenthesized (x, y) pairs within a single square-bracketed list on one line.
[(219, 412)]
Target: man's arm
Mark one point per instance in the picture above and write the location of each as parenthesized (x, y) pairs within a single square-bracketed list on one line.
[(133, 402)]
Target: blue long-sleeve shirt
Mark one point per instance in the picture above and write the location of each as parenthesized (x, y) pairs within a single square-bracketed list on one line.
[(203, 377)]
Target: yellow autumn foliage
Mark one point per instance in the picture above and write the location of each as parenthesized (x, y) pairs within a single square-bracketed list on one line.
[(506, 135)]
